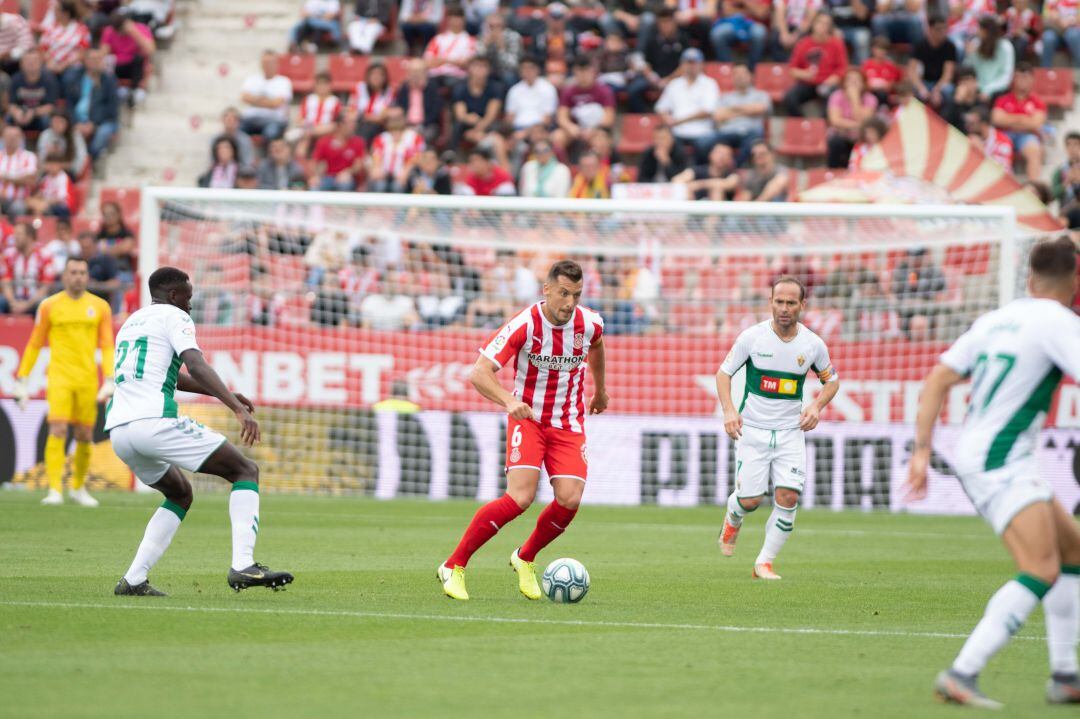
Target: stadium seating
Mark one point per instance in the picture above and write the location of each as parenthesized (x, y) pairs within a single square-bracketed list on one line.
[(636, 133), (127, 197), (396, 68), (774, 78), (1055, 86), (346, 71), (721, 72), (803, 137), (300, 69)]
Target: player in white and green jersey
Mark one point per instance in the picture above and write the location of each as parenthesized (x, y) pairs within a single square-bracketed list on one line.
[(771, 420), (150, 436), (1015, 357)]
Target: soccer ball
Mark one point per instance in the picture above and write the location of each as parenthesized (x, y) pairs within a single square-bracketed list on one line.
[(566, 581)]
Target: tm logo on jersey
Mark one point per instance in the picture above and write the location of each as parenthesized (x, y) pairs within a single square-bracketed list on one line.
[(775, 385), (559, 363)]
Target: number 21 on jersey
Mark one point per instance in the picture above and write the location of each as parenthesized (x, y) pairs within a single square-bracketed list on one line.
[(123, 350)]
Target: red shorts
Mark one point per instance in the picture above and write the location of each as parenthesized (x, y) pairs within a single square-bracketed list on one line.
[(532, 445)]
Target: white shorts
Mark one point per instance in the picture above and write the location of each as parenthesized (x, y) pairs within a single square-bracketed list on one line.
[(150, 446), (764, 454), (1000, 494)]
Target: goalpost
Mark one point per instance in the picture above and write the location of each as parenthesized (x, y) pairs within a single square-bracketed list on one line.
[(319, 305)]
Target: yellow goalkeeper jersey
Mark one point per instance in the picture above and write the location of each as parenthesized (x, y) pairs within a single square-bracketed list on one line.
[(74, 329)]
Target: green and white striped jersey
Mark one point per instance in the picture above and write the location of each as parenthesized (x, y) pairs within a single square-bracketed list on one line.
[(775, 373), (1015, 357), (148, 349)]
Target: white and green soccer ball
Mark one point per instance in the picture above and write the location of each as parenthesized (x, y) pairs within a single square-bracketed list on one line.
[(566, 581)]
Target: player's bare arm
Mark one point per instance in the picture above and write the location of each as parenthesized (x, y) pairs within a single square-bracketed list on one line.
[(599, 401), (811, 414), (187, 383), (205, 376), (487, 384), (938, 383), (732, 418)]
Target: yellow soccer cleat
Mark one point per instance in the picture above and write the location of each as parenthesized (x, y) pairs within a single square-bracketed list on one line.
[(453, 582), (526, 572)]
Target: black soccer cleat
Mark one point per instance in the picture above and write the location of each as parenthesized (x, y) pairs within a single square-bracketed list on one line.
[(258, 575), (123, 589)]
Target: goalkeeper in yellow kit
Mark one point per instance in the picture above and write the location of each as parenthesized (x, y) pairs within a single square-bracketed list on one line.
[(75, 323)]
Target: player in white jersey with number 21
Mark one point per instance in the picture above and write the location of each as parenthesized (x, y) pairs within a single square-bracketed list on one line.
[(156, 442), (1015, 357), (770, 424)]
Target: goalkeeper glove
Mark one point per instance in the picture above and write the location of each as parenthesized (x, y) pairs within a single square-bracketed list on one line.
[(106, 391), (21, 393)]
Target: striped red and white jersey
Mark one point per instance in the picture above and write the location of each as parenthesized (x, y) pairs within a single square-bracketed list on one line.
[(18, 164), (392, 155), (369, 103), (1067, 10), (549, 362), (999, 147), (455, 47), (56, 188), (63, 43), (317, 110), (26, 273)]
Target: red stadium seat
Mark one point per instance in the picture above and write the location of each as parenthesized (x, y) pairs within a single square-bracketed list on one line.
[(85, 224), (820, 175), (721, 72), (397, 66), (803, 137), (300, 68), (1055, 86), (970, 260), (635, 133), (774, 78), (345, 71), (128, 198)]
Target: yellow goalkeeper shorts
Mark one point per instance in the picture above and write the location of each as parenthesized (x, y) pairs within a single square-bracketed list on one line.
[(76, 404)]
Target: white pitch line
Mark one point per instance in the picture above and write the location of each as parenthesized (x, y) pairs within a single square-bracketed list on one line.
[(504, 620)]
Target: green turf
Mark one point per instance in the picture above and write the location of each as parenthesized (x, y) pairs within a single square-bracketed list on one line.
[(366, 632)]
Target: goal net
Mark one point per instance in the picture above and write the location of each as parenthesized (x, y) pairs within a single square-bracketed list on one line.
[(320, 306)]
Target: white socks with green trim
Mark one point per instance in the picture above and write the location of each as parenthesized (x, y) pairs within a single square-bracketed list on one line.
[(1061, 605), (159, 533), (735, 511), (244, 513), (777, 531), (1005, 613)]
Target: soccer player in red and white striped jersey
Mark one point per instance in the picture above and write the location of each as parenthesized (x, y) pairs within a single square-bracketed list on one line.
[(550, 343)]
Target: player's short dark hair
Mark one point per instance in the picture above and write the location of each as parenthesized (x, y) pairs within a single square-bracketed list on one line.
[(1053, 259), (75, 258), (565, 268), (164, 279), (791, 280), (1072, 135)]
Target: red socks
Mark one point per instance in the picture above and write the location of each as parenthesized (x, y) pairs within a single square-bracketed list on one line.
[(485, 524), (552, 522)]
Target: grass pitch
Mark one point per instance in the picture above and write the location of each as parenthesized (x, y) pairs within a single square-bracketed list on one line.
[(870, 607)]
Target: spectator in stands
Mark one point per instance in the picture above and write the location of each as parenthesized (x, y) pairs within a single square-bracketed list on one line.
[(849, 107), (392, 308), (801, 267), (900, 21), (490, 309), (531, 101), (318, 112), (97, 113), (477, 105), (1061, 21), (1065, 185), (326, 255), (132, 45), (371, 19), (331, 305), (583, 106), (963, 21), (420, 101), (33, 94), (104, 273), (716, 180), (119, 241), (604, 147), (439, 306), (267, 96), (543, 175), (740, 114), (790, 20), (688, 103), (817, 64), (992, 57), (870, 135), (483, 177), (63, 44), (880, 71), (740, 21), (429, 176), (60, 138), (857, 291), (55, 191), (279, 171), (449, 52), (965, 97), (1021, 114), (213, 304), (247, 178), (502, 47), (419, 21), (767, 180), (477, 12), (223, 166), (917, 284), (62, 246), (15, 40), (662, 57), (994, 143), (932, 65), (18, 172), (614, 62), (1023, 27), (317, 18), (230, 128), (339, 157), (852, 18), (663, 160), (27, 274), (557, 42), (630, 18), (372, 98), (358, 278), (393, 153), (593, 179)]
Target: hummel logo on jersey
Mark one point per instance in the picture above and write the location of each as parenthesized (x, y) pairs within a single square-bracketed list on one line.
[(559, 363), (776, 385), (763, 354)]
